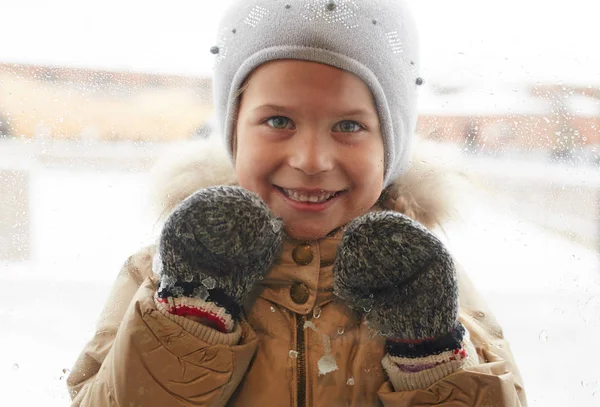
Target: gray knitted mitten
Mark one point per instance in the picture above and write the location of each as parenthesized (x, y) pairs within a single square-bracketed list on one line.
[(402, 277), (216, 244)]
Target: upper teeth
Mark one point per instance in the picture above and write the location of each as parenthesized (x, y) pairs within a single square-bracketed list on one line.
[(317, 198)]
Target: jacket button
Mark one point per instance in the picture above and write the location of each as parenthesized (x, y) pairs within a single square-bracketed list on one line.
[(299, 293), (302, 254)]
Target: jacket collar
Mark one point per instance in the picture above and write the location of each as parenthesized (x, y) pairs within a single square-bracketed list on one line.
[(310, 273)]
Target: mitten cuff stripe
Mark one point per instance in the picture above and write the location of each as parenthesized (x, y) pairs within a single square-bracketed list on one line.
[(413, 374), (419, 348), (416, 365), (403, 381), (215, 295), (201, 331), (218, 297), (184, 306)]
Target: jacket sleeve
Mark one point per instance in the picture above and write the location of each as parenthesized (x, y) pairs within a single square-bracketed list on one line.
[(493, 379), (151, 360), (93, 354)]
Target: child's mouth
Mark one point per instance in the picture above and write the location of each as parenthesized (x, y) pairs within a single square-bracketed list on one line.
[(314, 197)]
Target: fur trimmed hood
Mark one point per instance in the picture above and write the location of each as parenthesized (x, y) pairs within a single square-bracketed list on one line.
[(427, 192)]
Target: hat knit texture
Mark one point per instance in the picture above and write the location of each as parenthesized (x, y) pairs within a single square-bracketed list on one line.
[(220, 239), (374, 39), (398, 273)]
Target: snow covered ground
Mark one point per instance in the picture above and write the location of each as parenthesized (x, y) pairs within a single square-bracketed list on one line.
[(545, 292), (544, 289)]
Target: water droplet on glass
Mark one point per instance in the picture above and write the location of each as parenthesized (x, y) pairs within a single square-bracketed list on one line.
[(543, 335), (316, 312), (201, 292), (276, 225), (157, 264), (209, 283), (311, 325), (398, 238), (589, 309), (373, 333), (350, 381), (188, 236), (293, 354), (177, 291), (327, 364)]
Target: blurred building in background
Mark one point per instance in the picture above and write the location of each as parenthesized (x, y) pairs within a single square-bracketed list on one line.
[(69, 103), (551, 121)]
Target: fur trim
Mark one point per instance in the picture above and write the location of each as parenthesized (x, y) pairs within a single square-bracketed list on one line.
[(186, 168), (427, 192)]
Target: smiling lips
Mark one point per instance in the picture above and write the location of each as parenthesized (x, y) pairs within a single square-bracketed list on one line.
[(314, 196)]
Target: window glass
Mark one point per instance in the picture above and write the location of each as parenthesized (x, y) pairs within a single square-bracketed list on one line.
[(93, 95)]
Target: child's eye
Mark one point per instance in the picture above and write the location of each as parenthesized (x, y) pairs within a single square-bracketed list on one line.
[(278, 122), (348, 126)]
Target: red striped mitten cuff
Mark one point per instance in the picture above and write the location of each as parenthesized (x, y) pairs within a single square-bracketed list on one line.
[(417, 364), (189, 306)]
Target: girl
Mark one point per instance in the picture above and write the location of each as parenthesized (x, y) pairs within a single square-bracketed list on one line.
[(312, 283)]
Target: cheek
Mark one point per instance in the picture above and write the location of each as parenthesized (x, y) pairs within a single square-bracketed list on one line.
[(369, 171), (370, 165), (251, 166), (241, 161), (380, 166), (244, 172)]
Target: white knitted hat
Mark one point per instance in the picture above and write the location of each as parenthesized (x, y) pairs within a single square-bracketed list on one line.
[(374, 39)]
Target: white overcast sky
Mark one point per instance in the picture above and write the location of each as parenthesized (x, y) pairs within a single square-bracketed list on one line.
[(461, 40)]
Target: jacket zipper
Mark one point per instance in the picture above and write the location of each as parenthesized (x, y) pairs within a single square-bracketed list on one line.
[(300, 361)]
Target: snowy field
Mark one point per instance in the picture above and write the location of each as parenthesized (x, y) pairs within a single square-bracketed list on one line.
[(544, 289)]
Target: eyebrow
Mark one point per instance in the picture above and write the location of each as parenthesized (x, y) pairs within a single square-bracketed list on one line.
[(281, 109)]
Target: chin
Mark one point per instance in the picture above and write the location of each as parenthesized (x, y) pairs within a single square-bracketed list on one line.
[(299, 233)]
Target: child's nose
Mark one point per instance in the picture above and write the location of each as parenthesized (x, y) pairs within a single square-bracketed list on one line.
[(311, 154)]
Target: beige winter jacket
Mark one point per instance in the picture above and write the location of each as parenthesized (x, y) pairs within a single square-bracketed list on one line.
[(141, 356)]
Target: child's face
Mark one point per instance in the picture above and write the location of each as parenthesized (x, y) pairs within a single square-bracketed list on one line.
[(306, 131)]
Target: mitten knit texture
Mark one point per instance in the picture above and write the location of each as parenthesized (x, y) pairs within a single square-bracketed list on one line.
[(398, 273), (215, 245)]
